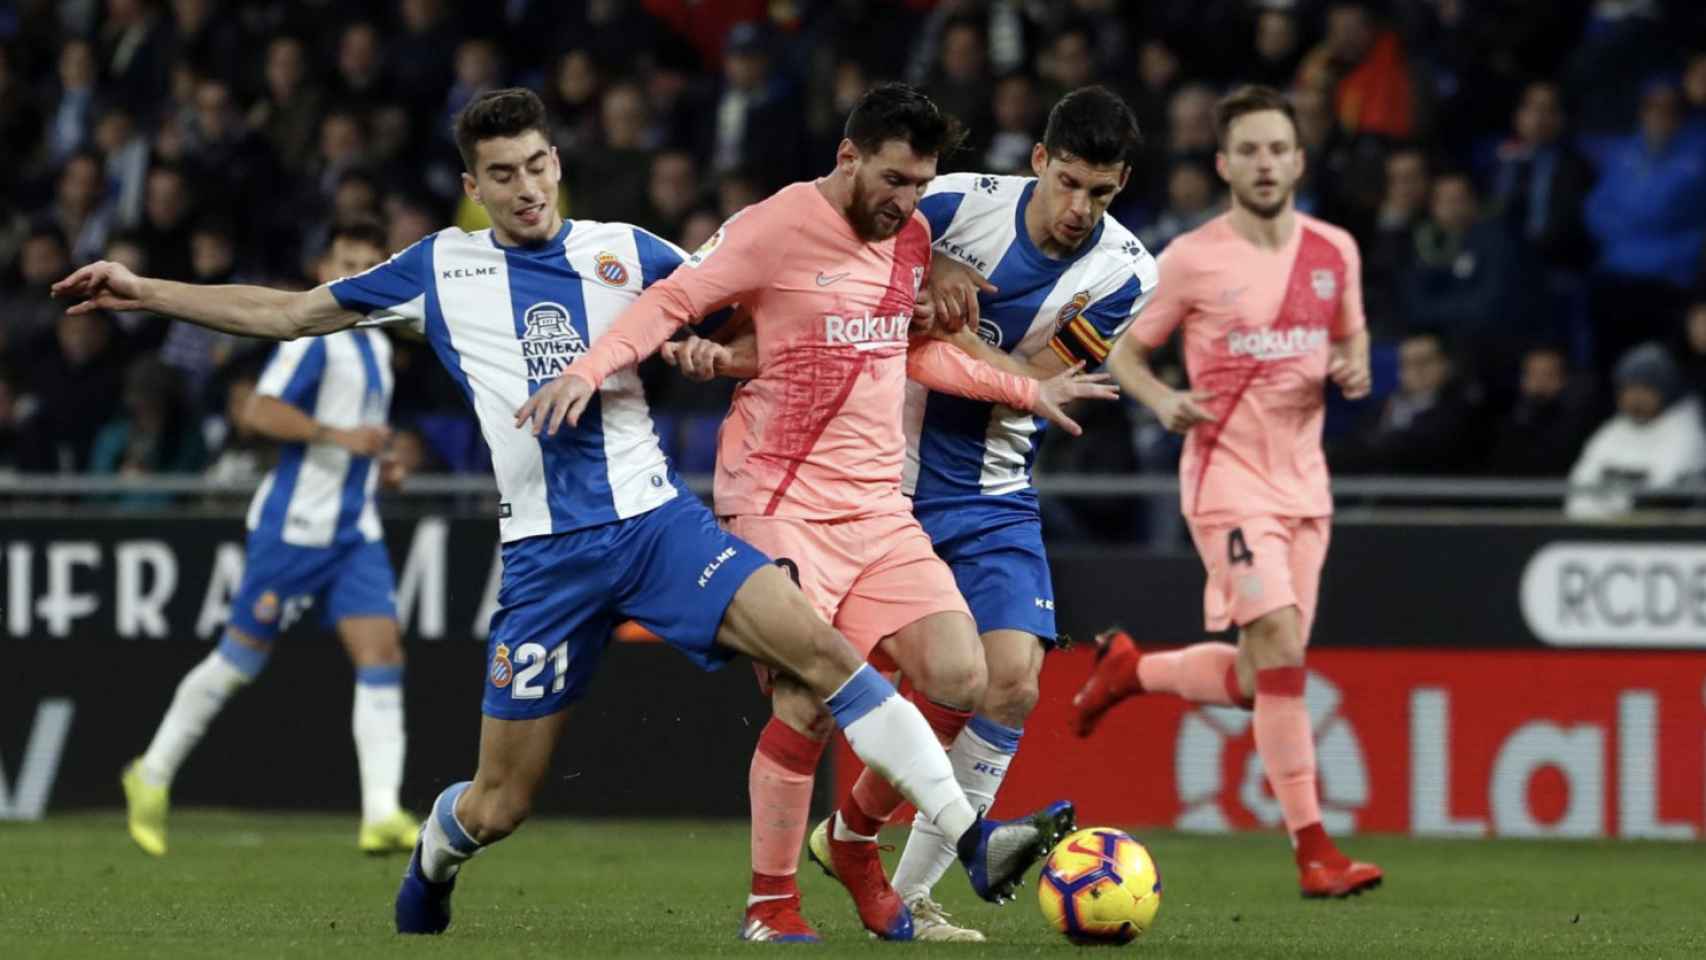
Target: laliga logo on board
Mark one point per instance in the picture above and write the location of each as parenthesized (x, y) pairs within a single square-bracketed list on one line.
[(1213, 739), (609, 269)]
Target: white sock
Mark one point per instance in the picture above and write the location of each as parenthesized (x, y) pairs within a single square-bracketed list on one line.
[(981, 755), (893, 739), (445, 846), (201, 694), (377, 722)]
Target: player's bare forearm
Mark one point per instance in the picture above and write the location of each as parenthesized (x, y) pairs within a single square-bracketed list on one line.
[(1128, 361), (248, 310), (276, 420)]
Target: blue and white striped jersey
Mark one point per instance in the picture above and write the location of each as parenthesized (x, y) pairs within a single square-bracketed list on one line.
[(1077, 306), (320, 494), (507, 320)]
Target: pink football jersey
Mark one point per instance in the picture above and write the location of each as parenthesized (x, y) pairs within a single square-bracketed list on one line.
[(1258, 326)]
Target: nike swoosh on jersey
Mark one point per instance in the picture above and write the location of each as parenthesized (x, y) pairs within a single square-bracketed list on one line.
[(824, 281)]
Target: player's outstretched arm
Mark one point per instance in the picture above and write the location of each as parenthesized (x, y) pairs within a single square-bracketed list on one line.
[(241, 309), (1178, 410), (701, 360), (947, 369)]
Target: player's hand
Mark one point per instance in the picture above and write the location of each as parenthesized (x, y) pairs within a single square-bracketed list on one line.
[(1349, 369), (953, 293), (698, 359), (1181, 410), (362, 441), (564, 398), (103, 285), (392, 472), (1066, 386), (924, 314)]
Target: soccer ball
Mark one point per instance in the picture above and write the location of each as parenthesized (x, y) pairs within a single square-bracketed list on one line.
[(1099, 886)]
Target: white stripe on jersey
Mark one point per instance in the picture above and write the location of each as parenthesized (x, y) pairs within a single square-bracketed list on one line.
[(340, 398)]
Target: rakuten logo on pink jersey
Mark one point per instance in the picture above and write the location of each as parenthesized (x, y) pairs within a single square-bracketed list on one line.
[(865, 332), (1265, 344)]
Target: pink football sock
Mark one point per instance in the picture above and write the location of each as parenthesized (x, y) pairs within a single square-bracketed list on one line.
[(780, 784)]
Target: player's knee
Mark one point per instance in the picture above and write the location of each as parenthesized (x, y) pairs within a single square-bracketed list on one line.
[(1011, 698), (955, 680), (1274, 640)]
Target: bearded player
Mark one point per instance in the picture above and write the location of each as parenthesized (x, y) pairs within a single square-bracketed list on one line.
[(1270, 303), (810, 460)]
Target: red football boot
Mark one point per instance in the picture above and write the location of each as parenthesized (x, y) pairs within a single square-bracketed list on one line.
[(1112, 679), (857, 866), (777, 921), (1346, 878)]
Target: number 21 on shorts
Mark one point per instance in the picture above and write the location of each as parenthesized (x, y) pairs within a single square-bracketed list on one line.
[(530, 660)]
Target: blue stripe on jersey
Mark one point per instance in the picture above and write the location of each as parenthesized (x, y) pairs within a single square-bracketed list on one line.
[(565, 486), (305, 379), (284, 475), (939, 210), (657, 259), (354, 495), (1109, 313), (398, 280)]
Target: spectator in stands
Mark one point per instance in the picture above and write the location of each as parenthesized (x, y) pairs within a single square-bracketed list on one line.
[(757, 122), (610, 181), (737, 190), (124, 152), (1555, 411), (572, 98), (73, 110), (1657, 438), (697, 228), (671, 192), (166, 217), (73, 381), (420, 55), (287, 113), (1276, 50), (80, 210), (1389, 253), (1428, 425), (478, 68), (1468, 278), (1069, 60), (1192, 200), (30, 311), (1540, 181), (202, 32), (960, 84), (1362, 65), (20, 121), (243, 456), (1018, 117), (1694, 348), (133, 54), (154, 433), (1158, 77), (1648, 214), (1694, 95), (360, 83), (10, 443)]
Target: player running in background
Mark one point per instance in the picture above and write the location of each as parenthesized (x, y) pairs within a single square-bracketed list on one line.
[(810, 460), (595, 525), (1270, 302), (314, 541)]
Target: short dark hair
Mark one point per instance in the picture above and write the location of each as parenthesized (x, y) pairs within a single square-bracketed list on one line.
[(510, 112), (360, 230), (898, 111), (1251, 98), (1093, 124)]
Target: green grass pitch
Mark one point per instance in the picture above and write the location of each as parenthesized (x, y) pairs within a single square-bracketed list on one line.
[(264, 885)]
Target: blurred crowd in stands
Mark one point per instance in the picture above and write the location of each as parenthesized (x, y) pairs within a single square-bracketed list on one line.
[(1526, 178)]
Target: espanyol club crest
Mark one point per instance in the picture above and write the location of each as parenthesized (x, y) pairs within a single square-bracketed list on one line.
[(1072, 309), (1325, 284), (989, 331), (611, 271), (501, 669)]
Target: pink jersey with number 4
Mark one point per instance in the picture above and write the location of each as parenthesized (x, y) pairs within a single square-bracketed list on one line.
[(1258, 328)]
